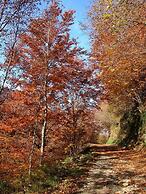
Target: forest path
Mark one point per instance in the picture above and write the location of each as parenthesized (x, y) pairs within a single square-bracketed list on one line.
[(115, 172)]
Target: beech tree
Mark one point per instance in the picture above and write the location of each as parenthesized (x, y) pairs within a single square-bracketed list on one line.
[(118, 31), (78, 100), (14, 17), (50, 62), (53, 90)]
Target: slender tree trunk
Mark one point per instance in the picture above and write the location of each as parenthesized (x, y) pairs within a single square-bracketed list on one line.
[(8, 62), (32, 149), (44, 127), (43, 135), (43, 139)]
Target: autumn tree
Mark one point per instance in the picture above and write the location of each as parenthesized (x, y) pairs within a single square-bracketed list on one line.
[(54, 90), (118, 31), (118, 47), (78, 100), (52, 71), (14, 17)]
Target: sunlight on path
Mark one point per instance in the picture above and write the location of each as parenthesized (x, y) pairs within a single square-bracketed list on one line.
[(114, 174)]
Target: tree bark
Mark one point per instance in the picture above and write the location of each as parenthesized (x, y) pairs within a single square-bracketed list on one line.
[(43, 139), (32, 149)]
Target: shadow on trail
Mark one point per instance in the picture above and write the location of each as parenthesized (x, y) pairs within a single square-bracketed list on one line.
[(111, 174)]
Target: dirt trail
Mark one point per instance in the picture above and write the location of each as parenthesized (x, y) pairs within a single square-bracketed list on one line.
[(116, 172)]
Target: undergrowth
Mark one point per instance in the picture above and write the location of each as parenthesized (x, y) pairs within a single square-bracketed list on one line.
[(47, 178)]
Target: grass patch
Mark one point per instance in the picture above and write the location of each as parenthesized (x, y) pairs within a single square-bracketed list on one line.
[(5, 188), (111, 141), (47, 177)]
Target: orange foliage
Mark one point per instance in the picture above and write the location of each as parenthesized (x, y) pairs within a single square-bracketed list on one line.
[(119, 46)]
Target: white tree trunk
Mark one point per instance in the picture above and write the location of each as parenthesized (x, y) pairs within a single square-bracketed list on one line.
[(43, 140), (32, 148)]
